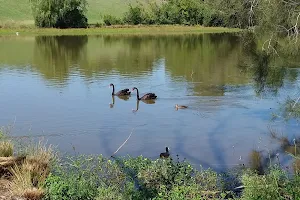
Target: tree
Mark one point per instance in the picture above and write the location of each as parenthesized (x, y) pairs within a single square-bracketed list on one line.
[(59, 13)]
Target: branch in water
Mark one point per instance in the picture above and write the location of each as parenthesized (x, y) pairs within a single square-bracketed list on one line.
[(123, 143)]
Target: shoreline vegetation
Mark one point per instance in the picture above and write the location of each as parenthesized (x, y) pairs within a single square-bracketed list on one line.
[(34, 171), (118, 29)]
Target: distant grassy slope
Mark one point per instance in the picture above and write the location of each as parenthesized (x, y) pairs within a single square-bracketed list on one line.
[(19, 10)]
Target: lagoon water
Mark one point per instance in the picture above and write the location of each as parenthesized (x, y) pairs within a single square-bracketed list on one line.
[(57, 88)]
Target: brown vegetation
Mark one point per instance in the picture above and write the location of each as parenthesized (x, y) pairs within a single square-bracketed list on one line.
[(21, 176)]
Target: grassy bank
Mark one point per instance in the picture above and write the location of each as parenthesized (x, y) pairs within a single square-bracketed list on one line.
[(34, 171), (118, 30)]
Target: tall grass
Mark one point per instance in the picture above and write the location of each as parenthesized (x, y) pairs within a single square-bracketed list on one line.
[(6, 148), (28, 178)]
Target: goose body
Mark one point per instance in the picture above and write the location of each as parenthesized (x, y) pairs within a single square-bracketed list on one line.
[(148, 96), (123, 92), (165, 154), (180, 106)]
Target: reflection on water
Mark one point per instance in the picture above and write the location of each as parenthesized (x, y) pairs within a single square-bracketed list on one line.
[(54, 56), (267, 70), (125, 98), (59, 85)]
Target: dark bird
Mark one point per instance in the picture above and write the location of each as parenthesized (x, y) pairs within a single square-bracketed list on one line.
[(147, 96), (121, 92), (165, 154)]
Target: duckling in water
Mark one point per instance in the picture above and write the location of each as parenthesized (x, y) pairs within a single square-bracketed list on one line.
[(180, 107), (165, 154)]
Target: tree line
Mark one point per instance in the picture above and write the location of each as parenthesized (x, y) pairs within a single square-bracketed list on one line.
[(280, 16)]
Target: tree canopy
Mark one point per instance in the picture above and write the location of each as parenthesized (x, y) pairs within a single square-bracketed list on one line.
[(60, 13)]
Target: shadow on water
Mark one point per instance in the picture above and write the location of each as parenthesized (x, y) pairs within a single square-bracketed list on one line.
[(260, 161)]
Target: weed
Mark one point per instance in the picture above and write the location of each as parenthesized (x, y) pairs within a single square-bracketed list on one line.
[(6, 148), (21, 180), (273, 185), (79, 178)]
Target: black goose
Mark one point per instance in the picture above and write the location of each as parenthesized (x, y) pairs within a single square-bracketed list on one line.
[(165, 154), (123, 92), (147, 96)]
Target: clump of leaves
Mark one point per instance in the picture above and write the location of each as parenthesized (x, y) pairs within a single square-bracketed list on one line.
[(166, 179), (84, 177), (273, 185), (60, 13)]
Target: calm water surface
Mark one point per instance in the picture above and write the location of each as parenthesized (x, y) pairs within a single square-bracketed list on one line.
[(57, 88)]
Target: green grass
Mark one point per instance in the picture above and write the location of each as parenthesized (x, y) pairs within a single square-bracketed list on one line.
[(20, 11), (166, 29)]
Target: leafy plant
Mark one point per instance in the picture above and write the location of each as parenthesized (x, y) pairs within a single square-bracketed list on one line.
[(59, 13), (80, 178), (111, 20), (273, 185)]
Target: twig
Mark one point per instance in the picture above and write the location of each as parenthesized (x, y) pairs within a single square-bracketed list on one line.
[(296, 102), (192, 73), (122, 144)]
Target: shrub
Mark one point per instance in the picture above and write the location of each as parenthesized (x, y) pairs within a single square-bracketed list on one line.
[(111, 20), (80, 178), (166, 179), (273, 185), (59, 13), (188, 12), (74, 186), (134, 15)]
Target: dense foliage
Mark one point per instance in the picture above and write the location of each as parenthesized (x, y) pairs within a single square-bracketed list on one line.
[(90, 177), (60, 13), (189, 12), (128, 178), (276, 16)]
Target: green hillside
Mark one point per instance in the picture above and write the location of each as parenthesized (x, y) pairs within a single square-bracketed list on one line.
[(19, 10)]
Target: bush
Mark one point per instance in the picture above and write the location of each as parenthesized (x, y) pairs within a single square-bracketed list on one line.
[(128, 178), (74, 186), (213, 19), (134, 15), (273, 185), (83, 178), (111, 20), (188, 12), (59, 13)]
